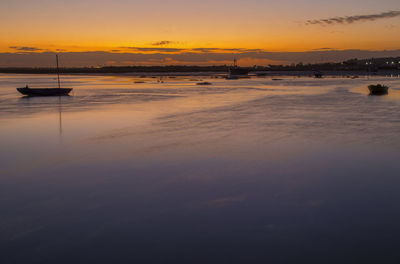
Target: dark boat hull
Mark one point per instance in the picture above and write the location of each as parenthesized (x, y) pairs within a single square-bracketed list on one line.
[(378, 89), (238, 71), (318, 74), (44, 91)]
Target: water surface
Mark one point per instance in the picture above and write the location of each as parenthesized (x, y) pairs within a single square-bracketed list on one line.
[(298, 170)]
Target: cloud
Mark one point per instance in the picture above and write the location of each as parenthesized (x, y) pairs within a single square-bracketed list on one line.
[(206, 50), (322, 49), (188, 50), (154, 49), (22, 48), (162, 43), (216, 50), (353, 19), (213, 50)]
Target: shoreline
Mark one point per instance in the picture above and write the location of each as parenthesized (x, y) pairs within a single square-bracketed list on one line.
[(218, 74)]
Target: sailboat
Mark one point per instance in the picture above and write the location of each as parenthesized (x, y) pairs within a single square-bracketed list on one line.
[(235, 70), (46, 91)]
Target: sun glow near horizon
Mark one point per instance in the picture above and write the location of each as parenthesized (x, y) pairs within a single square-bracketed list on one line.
[(188, 26)]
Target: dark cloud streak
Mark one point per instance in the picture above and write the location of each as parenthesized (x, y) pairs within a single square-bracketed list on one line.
[(352, 19), (153, 49), (199, 50), (22, 48), (162, 43), (322, 49)]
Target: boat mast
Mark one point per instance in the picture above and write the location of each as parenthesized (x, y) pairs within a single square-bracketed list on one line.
[(58, 72)]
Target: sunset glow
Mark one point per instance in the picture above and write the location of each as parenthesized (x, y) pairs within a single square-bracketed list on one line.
[(188, 26)]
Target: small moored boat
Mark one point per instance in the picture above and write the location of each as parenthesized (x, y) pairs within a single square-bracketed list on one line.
[(378, 89), (318, 74), (46, 91), (204, 83), (235, 70)]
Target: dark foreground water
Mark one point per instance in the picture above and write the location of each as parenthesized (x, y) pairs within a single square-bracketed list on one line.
[(244, 171)]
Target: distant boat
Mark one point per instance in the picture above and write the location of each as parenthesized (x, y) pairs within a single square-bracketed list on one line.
[(232, 77), (204, 83), (261, 74), (236, 70), (378, 89), (46, 91), (318, 74)]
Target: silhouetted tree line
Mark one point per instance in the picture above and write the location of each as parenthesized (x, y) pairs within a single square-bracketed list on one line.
[(119, 69), (369, 65)]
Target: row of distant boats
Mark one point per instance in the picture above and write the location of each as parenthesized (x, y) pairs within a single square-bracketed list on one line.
[(235, 72)]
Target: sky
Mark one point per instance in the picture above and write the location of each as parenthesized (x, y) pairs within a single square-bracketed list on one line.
[(206, 32)]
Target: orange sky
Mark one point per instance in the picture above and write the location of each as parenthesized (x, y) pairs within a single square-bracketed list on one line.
[(89, 25)]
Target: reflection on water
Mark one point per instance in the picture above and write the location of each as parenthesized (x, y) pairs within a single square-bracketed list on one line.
[(247, 171)]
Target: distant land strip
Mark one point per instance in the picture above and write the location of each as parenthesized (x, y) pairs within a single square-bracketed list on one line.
[(370, 65)]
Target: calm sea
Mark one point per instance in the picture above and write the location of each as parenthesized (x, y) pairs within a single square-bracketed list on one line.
[(138, 170)]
